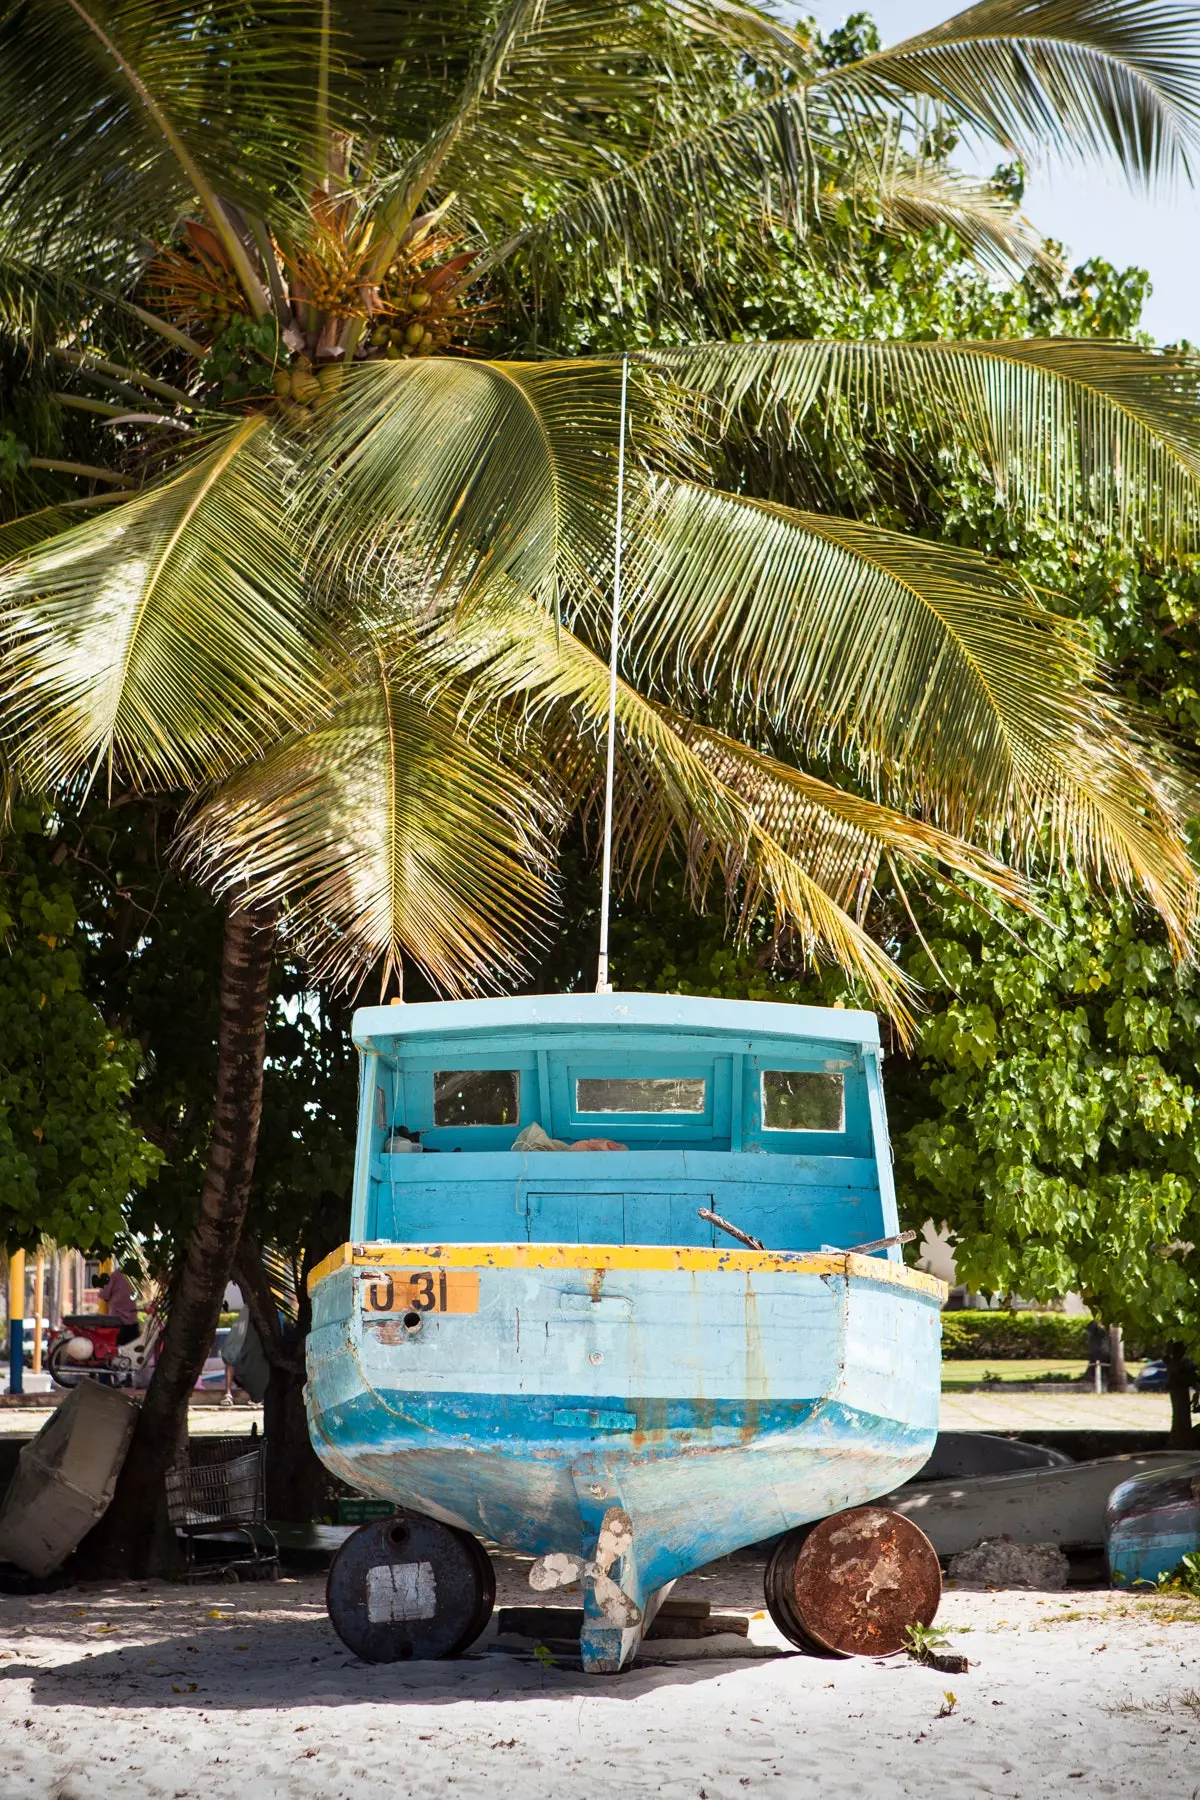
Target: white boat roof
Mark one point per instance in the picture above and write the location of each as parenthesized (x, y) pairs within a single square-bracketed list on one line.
[(377, 1027)]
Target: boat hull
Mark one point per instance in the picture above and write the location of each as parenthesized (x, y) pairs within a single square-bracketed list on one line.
[(715, 1398), (1153, 1522)]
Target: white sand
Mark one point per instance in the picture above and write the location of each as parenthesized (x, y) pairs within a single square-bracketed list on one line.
[(244, 1693)]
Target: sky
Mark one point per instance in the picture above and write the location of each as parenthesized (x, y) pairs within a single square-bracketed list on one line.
[(1093, 212)]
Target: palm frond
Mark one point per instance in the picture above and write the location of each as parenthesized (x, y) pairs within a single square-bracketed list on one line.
[(169, 636), (1077, 427), (20, 535), (913, 194), (389, 832), (557, 92), (114, 112), (653, 208), (1095, 77), (478, 471), (936, 671), (840, 835), (671, 790)]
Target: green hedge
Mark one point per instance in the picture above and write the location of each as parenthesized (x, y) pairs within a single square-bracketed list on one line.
[(971, 1336)]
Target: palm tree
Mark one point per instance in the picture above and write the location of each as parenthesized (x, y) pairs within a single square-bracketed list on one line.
[(347, 579)]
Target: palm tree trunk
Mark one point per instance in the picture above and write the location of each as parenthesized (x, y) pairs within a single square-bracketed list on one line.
[(1118, 1374), (123, 1542), (1179, 1387)]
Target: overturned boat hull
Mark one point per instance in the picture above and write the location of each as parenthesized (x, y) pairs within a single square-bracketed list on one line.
[(1153, 1521)]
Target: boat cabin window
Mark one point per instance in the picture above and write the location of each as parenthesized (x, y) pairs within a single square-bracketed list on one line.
[(736, 1097), (476, 1097), (641, 1094), (800, 1100)]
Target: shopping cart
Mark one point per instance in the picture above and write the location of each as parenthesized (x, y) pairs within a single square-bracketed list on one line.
[(216, 1491)]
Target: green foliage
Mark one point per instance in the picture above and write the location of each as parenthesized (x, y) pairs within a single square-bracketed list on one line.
[(920, 1640), (69, 1152), (1048, 1114), (1056, 1099), (243, 357), (1184, 1578), (300, 1199), (152, 956), (14, 455), (971, 1336), (857, 36)]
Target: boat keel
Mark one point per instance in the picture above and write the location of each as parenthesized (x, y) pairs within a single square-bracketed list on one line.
[(617, 1608)]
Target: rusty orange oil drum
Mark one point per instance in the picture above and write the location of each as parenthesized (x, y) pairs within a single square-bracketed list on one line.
[(853, 1584)]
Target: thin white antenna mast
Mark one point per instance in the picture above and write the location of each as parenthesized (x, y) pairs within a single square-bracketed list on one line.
[(603, 984)]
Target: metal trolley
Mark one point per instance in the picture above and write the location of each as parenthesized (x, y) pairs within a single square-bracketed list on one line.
[(216, 1490)]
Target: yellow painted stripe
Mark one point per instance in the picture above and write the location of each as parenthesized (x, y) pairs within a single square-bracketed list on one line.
[(648, 1257)]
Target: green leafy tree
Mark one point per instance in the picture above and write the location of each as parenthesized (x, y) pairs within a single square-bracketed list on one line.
[(362, 609), (1051, 1120), (69, 1152), (1055, 1111), (298, 1212)]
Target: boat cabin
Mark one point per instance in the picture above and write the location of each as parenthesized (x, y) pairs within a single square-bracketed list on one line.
[(770, 1115)]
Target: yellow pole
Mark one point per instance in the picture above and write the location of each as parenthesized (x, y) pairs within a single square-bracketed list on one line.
[(39, 1301), (16, 1322), (105, 1269)]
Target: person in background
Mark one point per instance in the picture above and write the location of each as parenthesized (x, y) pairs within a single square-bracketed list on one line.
[(245, 1360), (1099, 1353), (122, 1304)]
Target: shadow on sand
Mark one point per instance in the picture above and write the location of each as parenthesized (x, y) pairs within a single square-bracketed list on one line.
[(285, 1664)]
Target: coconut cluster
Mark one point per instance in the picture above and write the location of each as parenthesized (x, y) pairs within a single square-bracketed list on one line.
[(195, 292), (422, 325), (336, 305), (302, 389)]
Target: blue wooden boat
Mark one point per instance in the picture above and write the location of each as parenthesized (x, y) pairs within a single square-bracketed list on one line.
[(551, 1349)]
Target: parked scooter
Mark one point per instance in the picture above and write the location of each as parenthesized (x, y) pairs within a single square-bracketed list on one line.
[(85, 1347)]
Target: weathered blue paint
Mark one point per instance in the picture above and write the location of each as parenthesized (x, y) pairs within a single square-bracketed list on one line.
[(1152, 1522), (718, 1401)]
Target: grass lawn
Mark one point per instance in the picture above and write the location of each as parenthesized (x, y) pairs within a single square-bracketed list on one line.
[(962, 1374)]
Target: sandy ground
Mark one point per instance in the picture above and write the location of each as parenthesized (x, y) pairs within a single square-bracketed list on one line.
[(244, 1693), (23, 1421)]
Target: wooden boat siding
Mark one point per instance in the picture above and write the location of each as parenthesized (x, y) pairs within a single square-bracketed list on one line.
[(750, 1395), (647, 1197), (795, 1190), (593, 1258)]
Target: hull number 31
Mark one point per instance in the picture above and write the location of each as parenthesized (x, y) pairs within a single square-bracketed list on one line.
[(423, 1291)]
